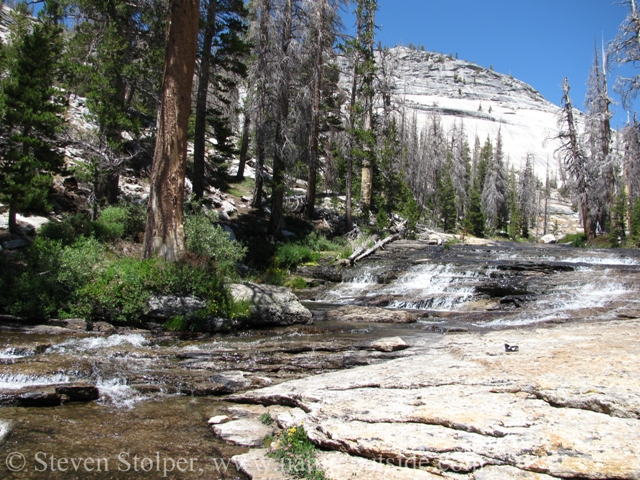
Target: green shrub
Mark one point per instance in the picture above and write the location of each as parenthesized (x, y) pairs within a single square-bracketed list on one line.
[(296, 454), (212, 242), (297, 283), (68, 230), (135, 222), (112, 223), (578, 240), (120, 293), (266, 419), (291, 255)]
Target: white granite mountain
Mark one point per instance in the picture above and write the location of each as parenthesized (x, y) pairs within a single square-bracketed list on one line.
[(485, 100)]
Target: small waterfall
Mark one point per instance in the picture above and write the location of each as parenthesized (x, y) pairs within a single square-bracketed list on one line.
[(19, 380), (94, 343), (350, 288), (117, 393), (435, 287)]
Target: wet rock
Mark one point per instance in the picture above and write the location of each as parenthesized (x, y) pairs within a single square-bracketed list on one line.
[(391, 344), (354, 313), (52, 330), (169, 306), (5, 429), (270, 305), (321, 272), (43, 398), (77, 324), (103, 327), (79, 392)]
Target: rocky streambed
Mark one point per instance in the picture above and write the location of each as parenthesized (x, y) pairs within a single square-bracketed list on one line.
[(420, 388)]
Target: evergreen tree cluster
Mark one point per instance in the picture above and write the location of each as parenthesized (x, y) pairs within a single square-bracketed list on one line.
[(460, 188)]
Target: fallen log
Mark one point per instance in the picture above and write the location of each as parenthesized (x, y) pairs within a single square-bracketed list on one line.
[(376, 247)]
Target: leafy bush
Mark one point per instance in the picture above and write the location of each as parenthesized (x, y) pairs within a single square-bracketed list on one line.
[(290, 255), (69, 229), (578, 240), (212, 242), (297, 283), (296, 454), (112, 223)]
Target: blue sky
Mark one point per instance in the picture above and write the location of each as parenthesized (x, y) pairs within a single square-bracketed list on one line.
[(537, 41)]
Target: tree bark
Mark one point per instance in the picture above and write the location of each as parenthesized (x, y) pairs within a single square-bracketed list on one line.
[(277, 193), (164, 232), (315, 128), (263, 48), (201, 102), (245, 145)]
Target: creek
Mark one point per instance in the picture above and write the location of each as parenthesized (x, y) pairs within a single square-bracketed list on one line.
[(156, 393)]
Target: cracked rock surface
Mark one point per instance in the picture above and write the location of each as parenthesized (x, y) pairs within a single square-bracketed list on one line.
[(566, 405)]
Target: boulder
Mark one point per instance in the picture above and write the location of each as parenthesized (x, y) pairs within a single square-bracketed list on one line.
[(391, 344), (77, 324), (79, 392), (270, 305), (103, 327), (352, 313), (245, 432), (549, 238), (169, 306), (14, 244)]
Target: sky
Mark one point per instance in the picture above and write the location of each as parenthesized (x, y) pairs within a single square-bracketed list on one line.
[(537, 41)]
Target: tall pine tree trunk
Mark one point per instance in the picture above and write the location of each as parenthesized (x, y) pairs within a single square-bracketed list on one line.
[(315, 128), (164, 232), (264, 8), (277, 194), (201, 102), (244, 149)]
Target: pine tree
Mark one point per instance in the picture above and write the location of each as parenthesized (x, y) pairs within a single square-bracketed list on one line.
[(576, 163), (446, 194), (494, 192), (164, 231), (527, 197), (31, 112)]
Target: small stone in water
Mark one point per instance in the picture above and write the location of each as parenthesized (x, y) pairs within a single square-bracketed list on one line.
[(218, 419)]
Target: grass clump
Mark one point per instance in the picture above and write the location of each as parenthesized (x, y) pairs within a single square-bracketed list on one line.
[(578, 240), (296, 454), (296, 283), (266, 419)]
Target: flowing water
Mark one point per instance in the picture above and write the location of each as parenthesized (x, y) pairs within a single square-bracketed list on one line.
[(157, 392)]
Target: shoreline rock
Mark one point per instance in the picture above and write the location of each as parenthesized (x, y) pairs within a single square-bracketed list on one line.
[(566, 405)]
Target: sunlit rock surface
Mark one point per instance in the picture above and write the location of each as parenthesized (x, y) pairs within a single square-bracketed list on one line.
[(567, 404), (428, 83)]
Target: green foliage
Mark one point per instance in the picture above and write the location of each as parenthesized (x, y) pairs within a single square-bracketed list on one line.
[(112, 223), (635, 219), (296, 283), (296, 454), (266, 419), (32, 111), (578, 240), (291, 255), (617, 235), (68, 229), (446, 198), (52, 277), (212, 243)]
